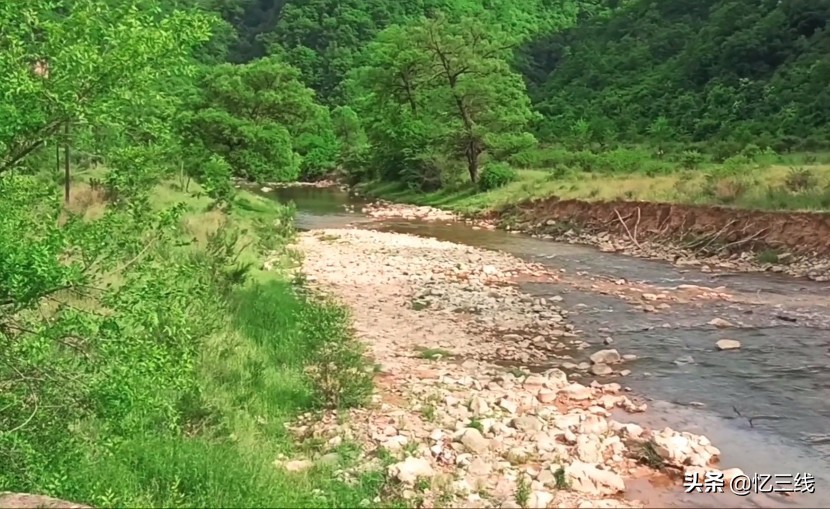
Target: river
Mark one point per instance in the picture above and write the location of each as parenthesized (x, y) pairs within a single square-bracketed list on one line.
[(766, 406)]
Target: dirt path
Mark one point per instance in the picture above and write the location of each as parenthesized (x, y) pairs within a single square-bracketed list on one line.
[(463, 431)]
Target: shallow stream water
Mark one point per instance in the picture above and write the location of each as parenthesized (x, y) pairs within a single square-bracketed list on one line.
[(766, 406)]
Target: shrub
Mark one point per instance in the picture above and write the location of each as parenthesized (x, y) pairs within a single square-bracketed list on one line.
[(496, 175), (622, 160), (751, 151), (691, 159), (721, 151), (799, 180), (735, 165), (338, 369), (529, 158), (726, 189), (216, 179), (584, 160)]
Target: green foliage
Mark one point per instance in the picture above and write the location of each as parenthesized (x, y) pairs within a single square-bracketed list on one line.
[(263, 121), (216, 178), (737, 70), (440, 90), (135, 370), (325, 38), (691, 159), (496, 175), (117, 352), (320, 344), (354, 145), (130, 362), (94, 64)]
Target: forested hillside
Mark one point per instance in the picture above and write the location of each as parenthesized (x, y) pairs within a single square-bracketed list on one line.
[(754, 71), (712, 77)]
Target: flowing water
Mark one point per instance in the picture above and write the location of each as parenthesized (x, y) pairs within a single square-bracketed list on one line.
[(766, 406)]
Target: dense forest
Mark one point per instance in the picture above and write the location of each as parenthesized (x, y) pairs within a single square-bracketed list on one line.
[(711, 77), (126, 250), (752, 71)]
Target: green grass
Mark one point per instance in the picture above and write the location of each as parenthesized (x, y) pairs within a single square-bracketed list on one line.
[(251, 382), (762, 185)]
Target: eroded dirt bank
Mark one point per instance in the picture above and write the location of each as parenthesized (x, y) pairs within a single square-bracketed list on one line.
[(462, 430), (797, 244), (721, 236)]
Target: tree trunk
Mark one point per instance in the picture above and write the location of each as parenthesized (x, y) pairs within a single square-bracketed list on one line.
[(66, 164), (472, 160)]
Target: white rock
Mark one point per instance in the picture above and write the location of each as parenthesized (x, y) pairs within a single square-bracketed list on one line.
[(395, 443), (478, 406), (576, 392), (731, 473), (474, 441), (479, 467), (297, 465), (632, 430), (593, 425), (720, 323), (587, 478), (610, 356), (540, 499), (409, 470), (728, 344), (588, 448), (517, 455), (509, 406), (526, 423), (600, 369)]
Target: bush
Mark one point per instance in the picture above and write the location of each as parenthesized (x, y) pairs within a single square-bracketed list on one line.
[(529, 158), (495, 175), (691, 159), (726, 189), (723, 150), (735, 165), (215, 177), (799, 180), (622, 160)]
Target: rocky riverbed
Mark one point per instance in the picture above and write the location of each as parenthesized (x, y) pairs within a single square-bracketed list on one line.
[(454, 424), (813, 267)]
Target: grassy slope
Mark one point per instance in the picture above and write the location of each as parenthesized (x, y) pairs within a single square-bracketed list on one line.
[(764, 189), (252, 384)]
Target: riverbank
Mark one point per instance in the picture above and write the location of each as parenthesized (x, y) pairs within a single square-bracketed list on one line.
[(710, 237), (768, 187), (193, 373), (454, 425)]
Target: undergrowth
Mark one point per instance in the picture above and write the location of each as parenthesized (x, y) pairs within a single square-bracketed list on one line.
[(146, 360)]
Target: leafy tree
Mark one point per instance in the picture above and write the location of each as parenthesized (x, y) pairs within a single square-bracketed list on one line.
[(263, 121), (449, 86), (354, 145), (86, 63)]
